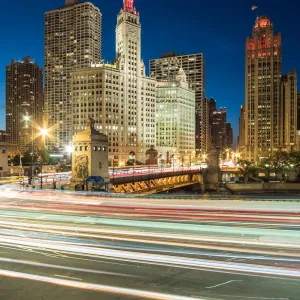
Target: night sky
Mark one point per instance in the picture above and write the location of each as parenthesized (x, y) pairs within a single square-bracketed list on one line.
[(216, 28)]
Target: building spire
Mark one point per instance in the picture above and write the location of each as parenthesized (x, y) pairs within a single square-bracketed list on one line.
[(128, 5)]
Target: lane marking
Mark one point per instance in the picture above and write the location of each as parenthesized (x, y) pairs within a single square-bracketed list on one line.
[(224, 283), (68, 277)]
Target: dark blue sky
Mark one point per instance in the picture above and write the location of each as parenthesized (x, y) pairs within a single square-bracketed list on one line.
[(217, 28)]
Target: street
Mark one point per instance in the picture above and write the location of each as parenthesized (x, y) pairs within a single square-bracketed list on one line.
[(62, 246)]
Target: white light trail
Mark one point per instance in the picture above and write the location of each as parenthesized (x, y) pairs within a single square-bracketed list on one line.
[(95, 287), (148, 258), (37, 264)]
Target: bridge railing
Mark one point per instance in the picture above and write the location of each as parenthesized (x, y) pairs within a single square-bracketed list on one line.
[(151, 176)]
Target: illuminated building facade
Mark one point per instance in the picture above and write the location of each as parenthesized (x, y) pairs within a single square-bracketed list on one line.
[(220, 131), (175, 119), (228, 136), (119, 96), (166, 68), (298, 111), (24, 103), (289, 112), (241, 137), (266, 109), (73, 40), (3, 154)]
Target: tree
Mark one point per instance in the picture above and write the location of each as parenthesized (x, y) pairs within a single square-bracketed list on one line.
[(133, 162), (275, 162), (247, 168), (44, 154), (294, 163), (16, 160)]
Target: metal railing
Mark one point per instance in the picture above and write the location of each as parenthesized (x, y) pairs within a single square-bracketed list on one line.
[(151, 176)]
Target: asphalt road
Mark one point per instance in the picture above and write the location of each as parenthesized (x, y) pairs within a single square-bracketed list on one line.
[(67, 247)]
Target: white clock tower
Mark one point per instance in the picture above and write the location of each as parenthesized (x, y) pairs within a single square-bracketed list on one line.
[(139, 107)]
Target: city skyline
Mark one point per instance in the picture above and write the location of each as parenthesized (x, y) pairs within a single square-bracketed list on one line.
[(213, 43)]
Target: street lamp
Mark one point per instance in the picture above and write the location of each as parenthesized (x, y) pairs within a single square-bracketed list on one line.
[(69, 151), (27, 119), (44, 133)]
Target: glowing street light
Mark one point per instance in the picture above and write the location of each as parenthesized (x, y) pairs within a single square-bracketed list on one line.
[(44, 132), (69, 149)]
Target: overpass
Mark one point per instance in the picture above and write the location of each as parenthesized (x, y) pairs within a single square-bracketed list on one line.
[(156, 182)]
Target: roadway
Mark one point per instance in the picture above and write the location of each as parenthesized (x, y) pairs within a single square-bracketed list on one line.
[(62, 246)]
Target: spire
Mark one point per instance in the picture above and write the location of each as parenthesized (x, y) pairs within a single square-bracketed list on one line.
[(128, 5)]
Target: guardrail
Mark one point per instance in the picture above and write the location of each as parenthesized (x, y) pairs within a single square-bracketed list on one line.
[(151, 176)]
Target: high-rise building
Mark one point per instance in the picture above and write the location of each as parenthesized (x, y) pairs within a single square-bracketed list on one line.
[(221, 133), (166, 68), (298, 112), (288, 130), (119, 96), (218, 128), (73, 40), (263, 78), (241, 137), (175, 119), (228, 136), (212, 103), (266, 112), (24, 103), (3, 154)]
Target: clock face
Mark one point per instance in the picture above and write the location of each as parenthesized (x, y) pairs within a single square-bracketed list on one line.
[(132, 32)]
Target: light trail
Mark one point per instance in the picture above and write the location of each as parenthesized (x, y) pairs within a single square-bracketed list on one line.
[(282, 236), (168, 247), (37, 264), (155, 259), (115, 234), (95, 287)]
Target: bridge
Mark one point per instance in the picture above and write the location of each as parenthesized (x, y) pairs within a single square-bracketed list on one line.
[(151, 180), (155, 181)]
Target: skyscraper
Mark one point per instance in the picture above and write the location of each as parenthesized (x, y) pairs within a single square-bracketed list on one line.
[(266, 112), (73, 40), (24, 103), (228, 136), (166, 68), (298, 112), (175, 119), (3, 154), (119, 96), (218, 128), (221, 132), (241, 137), (289, 109)]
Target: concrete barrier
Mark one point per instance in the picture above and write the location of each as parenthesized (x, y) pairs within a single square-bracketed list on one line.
[(264, 187)]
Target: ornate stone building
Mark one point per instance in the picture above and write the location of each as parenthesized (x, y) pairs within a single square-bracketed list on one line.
[(119, 96), (90, 155), (271, 98), (175, 119), (166, 68)]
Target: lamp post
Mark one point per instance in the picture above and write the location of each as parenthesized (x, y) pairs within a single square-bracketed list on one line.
[(30, 119), (40, 161), (43, 132), (172, 156)]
